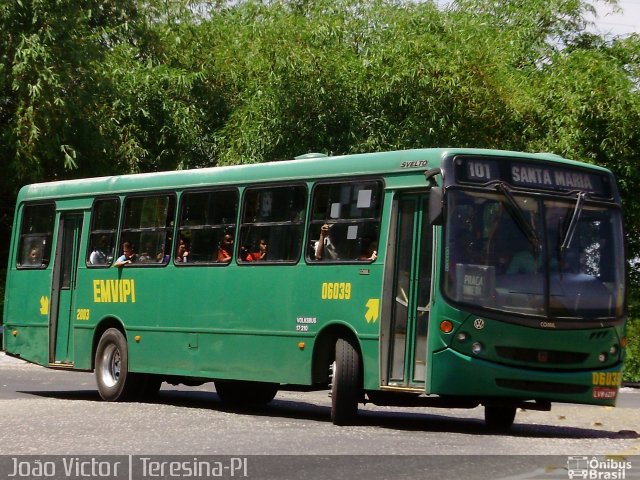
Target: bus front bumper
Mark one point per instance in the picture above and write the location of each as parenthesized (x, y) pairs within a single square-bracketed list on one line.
[(455, 374)]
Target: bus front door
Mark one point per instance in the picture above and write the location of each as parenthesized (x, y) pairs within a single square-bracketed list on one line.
[(63, 289), (409, 276)]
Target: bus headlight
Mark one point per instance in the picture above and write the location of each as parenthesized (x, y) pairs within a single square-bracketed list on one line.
[(613, 350), (462, 337), (477, 348), (602, 357)]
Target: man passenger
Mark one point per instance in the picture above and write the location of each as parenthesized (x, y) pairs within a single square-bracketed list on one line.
[(128, 257)]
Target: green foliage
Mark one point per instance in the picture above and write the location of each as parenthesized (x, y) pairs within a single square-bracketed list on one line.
[(154, 123), (632, 362), (50, 52), (85, 89)]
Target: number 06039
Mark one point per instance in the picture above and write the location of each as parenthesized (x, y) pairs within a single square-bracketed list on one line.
[(336, 291)]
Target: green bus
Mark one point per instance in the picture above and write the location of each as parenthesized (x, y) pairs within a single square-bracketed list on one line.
[(428, 277)]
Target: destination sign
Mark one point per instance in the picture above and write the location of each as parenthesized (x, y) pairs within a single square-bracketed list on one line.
[(530, 175), (555, 178)]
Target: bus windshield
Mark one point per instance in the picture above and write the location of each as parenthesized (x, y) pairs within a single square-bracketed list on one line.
[(536, 256)]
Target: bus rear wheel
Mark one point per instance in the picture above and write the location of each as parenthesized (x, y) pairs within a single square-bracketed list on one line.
[(345, 384), (115, 382), (499, 418)]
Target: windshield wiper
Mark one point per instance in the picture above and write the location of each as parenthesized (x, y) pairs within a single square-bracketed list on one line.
[(573, 224), (517, 214)]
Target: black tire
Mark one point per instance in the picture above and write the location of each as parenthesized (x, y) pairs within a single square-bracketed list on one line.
[(346, 384), (263, 393), (246, 393), (499, 418), (115, 383)]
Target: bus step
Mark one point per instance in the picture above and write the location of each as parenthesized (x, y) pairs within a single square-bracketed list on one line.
[(61, 365)]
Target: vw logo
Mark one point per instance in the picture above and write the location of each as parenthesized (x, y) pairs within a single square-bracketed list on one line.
[(478, 323)]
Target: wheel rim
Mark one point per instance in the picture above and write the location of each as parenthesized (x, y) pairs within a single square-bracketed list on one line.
[(332, 377), (111, 365)]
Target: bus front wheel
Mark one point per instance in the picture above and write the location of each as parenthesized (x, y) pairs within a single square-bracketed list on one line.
[(499, 418), (115, 383), (345, 384)]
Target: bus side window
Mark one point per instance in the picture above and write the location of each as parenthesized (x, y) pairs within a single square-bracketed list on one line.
[(345, 222), (272, 224), (104, 226), (206, 219), (148, 226), (36, 233)]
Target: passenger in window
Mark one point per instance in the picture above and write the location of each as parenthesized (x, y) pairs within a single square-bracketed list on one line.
[(147, 255), (261, 254), (183, 251), (34, 257), (370, 252), (226, 249), (99, 253), (129, 255), (163, 257), (325, 247)]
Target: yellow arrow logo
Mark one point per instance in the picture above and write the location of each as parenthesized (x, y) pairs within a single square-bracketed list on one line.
[(373, 310), (44, 305)]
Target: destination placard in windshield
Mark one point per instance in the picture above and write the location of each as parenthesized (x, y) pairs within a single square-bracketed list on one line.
[(482, 170)]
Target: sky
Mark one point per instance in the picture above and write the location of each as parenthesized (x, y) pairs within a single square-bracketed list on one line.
[(616, 24)]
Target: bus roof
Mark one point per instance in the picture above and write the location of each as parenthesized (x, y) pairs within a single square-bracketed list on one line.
[(401, 162)]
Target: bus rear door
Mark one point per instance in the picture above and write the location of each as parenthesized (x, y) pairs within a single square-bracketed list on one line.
[(63, 289)]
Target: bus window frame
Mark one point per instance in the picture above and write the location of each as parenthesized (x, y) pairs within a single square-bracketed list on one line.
[(169, 194), (45, 262), (116, 232), (340, 181), (303, 223), (178, 226)]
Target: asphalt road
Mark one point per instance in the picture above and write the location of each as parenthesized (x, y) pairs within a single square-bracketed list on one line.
[(47, 412)]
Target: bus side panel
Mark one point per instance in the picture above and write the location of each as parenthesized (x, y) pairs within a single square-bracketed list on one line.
[(239, 322), (27, 340), (197, 321), (267, 358), (83, 343), (26, 308), (371, 363)]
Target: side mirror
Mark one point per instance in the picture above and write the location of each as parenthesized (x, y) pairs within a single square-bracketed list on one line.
[(436, 205)]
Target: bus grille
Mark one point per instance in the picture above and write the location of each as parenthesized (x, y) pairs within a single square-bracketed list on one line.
[(532, 355), (546, 387)]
